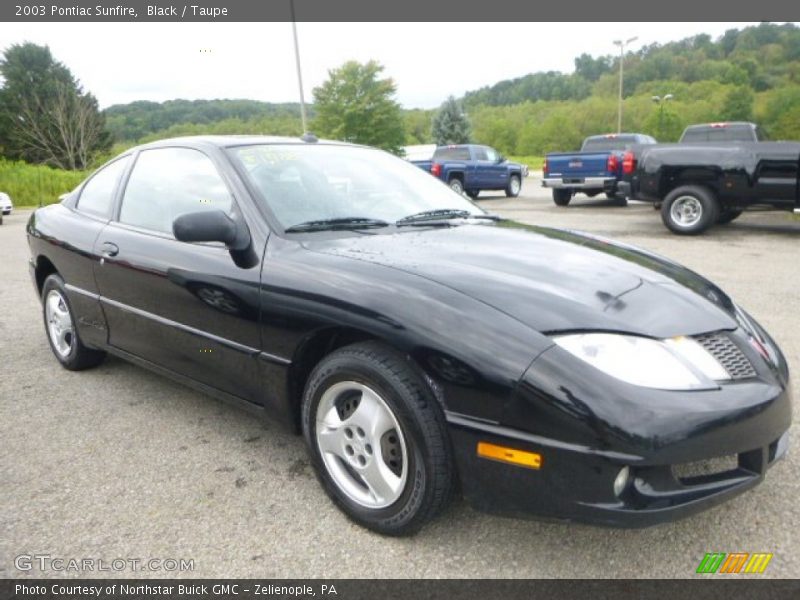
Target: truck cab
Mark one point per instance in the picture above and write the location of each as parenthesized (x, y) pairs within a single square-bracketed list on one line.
[(472, 168)]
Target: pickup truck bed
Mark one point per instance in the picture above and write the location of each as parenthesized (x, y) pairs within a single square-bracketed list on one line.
[(596, 169), (699, 185)]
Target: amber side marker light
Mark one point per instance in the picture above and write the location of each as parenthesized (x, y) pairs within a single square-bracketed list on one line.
[(532, 460)]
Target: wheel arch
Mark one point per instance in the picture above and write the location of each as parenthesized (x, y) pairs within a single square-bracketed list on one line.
[(43, 268), (308, 355), (707, 177)]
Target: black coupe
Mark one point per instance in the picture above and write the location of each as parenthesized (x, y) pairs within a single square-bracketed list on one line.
[(421, 345)]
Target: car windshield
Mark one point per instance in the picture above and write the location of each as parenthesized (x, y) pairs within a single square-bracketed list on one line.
[(321, 182)]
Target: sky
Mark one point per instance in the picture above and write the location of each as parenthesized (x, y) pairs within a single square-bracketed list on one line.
[(123, 62)]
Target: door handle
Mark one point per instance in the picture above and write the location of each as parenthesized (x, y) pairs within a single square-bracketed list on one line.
[(109, 249)]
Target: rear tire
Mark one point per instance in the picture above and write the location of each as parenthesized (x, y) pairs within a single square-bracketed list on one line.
[(62, 334), (561, 196), (690, 210), (377, 439), (456, 185), (514, 186), (728, 215)]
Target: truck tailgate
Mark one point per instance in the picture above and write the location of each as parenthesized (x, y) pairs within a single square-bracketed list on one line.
[(578, 164)]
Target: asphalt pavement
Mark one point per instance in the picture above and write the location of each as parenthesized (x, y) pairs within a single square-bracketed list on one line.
[(119, 463)]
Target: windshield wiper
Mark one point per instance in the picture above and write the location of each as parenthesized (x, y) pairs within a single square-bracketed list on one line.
[(337, 223), (439, 214)]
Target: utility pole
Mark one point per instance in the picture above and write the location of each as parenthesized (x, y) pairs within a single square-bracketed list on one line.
[(299, 73), (621, 45)]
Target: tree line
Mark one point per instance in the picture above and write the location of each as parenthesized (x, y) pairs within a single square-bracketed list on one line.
[(749, 74)]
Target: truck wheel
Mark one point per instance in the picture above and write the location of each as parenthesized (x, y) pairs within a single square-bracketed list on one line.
[(514, 186), (456, 185), (689, 210), (562, 196), (473, 193), (727, 215)]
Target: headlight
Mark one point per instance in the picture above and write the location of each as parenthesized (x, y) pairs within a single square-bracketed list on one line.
[(674, 364)]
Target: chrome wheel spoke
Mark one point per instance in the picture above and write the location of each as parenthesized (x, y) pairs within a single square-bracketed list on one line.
[(382, 483), (330, 441), (372, 415)]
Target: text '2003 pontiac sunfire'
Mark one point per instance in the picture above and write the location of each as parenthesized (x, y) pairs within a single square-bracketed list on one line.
[(421, 345)]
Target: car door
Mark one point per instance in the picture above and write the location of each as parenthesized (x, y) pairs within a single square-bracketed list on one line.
[(497, 171), (483, 169), (87, 212), (185, 307)]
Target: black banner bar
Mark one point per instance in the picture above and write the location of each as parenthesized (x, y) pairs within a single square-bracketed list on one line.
[(405, 10), (713, 588)]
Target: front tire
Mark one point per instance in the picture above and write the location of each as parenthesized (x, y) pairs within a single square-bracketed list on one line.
[(514, 186), (473, 194), (377, 439), (562, 196), (62, 334), (689, 210)]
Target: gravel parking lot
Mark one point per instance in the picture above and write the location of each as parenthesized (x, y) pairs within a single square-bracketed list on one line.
[(120, 463)]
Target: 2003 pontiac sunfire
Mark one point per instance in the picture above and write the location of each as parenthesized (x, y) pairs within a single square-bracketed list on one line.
[(421, 345)]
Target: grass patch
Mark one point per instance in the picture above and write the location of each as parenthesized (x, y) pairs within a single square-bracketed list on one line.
[(534, 162), (32, 185)]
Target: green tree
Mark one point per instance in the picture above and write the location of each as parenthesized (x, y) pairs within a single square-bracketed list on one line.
[(45, 115), (355, 105), (450, 124), (738, 105)]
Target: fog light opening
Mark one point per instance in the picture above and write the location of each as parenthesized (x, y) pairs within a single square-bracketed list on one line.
[(621, 481)]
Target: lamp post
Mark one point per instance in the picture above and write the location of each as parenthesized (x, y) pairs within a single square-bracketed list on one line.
[(621, 45), (299, 73), (660, 100)]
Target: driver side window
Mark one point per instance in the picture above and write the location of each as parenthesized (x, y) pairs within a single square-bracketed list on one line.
[(492, 155), (168, 182)]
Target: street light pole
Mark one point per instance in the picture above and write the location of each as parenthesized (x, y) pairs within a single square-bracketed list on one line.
[(621, 45), (660, 100), (299, 73)]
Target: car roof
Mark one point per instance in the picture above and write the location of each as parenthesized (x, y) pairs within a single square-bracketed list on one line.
[(225, 141)]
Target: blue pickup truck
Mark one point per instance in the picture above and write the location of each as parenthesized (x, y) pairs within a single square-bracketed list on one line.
[(597, 168), (471, 168)]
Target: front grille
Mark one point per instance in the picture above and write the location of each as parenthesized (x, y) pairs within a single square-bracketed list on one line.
[(728, 354), (702, 468)]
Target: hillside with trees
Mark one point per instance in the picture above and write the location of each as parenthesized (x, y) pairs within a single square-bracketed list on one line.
[(747, 74)]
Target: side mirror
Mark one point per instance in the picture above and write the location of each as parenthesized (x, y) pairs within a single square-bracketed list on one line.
[(501, 159), (211, 226)]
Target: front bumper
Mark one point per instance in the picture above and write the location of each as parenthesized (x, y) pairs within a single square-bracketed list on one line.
[(576, 483), (607, 184)]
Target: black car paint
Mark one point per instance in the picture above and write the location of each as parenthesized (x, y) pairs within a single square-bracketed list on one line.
[(740, 174), (473, 305)]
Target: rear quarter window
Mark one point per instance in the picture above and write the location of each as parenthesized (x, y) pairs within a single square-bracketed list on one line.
[(97, 194), (454, 153)]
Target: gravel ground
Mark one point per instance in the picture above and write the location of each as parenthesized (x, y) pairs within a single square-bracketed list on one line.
[(120, 463)]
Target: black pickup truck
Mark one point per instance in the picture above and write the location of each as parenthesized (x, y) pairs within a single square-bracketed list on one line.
[(700, 185)]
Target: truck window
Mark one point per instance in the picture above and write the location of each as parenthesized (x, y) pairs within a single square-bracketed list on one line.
[(452, 153), (602, 144), (695, 135), (479, 153), (492, 155)]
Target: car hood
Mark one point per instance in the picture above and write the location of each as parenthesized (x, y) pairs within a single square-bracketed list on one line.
[(551, 280)]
